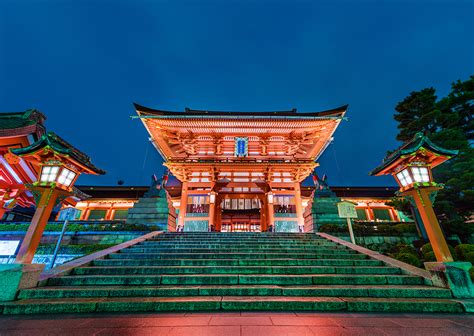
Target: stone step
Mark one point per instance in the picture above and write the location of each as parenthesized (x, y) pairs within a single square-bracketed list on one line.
[(234, 243), (243, 271), (237, 238), (232, 250), (237, 262), (230, 303), (239, 255), (257, 290), (145, 270), (221, 279), (244, 239)]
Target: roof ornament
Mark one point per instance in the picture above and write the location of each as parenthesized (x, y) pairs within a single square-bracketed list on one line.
[(157, 187), (322, 188)]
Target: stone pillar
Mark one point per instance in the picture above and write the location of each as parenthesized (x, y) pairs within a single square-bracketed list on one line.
[(453, 275), (298, 204), (183, 204), (32, 238), (433, 230)]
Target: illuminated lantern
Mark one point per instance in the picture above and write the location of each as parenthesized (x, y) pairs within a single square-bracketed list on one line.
[(411, 167), (60, 166)]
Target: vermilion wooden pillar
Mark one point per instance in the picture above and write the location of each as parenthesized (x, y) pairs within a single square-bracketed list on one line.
[(183, 204), (44, 207), (298, 204), (270, 214), (430, 221)]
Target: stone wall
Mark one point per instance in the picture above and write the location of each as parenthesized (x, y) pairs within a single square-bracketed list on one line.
[(369, 240), (78, 237)]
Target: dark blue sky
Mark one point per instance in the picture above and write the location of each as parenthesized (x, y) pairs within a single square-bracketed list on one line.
[(83, 63)]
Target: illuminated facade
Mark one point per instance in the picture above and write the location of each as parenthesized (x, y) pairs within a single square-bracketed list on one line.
[(113, 202), (17, 130), (240, 171)]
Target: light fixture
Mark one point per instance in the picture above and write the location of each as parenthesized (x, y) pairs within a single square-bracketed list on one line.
[(270, 197), (411, 166), (66, 177), (420, 173), (404, 177), (58, 174), (49, 174), (212, 197)]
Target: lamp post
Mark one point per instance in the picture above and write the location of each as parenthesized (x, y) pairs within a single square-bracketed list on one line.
[(411, 167), (60, 166)]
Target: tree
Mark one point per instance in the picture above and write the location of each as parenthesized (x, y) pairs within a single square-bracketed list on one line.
[(449, 123)]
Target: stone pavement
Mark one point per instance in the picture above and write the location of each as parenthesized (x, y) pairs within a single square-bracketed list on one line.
[(239, 323)]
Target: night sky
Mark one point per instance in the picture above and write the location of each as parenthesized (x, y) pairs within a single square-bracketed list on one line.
[(83, 64)]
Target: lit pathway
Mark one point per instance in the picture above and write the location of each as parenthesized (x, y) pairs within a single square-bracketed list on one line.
[(230, 324)]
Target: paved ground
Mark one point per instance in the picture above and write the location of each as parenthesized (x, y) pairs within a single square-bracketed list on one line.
[(230, 324)]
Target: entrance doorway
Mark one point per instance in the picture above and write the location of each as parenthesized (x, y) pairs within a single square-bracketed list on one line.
[(239, 214)]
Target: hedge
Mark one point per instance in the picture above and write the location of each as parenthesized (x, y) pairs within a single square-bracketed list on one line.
[(408, 258), (371, 230), (428, 254), (463, 249)]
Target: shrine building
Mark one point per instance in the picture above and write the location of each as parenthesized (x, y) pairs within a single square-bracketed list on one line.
[(240, 170)]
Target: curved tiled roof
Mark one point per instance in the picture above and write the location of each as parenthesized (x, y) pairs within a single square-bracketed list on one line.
[(61, 146), (418, 141), (190, 113)]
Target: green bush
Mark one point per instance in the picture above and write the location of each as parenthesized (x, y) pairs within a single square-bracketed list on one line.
[(386, 229), (405, 228), (380, 247), (469, 257), (463, 249), (359, 228), (428, 254), (332, 228), (403, 248), (471, 272), (409, 259)]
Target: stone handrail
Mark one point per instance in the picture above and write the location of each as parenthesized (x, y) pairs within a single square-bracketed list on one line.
[(67, 267)]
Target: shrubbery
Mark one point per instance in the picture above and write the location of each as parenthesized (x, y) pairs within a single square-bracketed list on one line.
[(405, 253), (333, 228), (463, 249), (405, 228), (428, 254), (371, 230), (465, 252), (409, 258)]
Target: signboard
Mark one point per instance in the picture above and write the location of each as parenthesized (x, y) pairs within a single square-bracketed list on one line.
[(8, 247), (241, 146), (69, 213), (346, 210)]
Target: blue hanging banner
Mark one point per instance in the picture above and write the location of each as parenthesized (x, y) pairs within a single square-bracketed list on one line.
[(241, 146)]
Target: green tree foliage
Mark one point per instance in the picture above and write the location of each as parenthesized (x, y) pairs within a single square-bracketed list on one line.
[(449, 123)]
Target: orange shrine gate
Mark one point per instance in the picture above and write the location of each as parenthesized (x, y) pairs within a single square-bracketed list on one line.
[(240, 171)]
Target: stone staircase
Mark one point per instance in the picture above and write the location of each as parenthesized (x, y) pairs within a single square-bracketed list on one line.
[(235, 271)]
